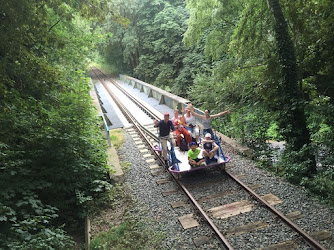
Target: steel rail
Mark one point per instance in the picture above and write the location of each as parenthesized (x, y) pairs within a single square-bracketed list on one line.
[(204, 214), (132, 97), (184, 189), (312, 242), (131, 119)]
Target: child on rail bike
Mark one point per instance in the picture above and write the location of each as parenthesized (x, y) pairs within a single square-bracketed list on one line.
[(193, 153), (209, 149)]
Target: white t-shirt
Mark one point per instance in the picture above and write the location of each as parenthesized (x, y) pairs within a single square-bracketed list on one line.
[(190, 119)]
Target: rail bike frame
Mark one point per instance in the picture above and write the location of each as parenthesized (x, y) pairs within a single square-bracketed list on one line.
[(170, 154), (221, 162), (220, 148), (172, 157)]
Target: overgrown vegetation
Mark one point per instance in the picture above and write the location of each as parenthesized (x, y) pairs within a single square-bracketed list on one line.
[(132, 233), (114, 227), (52, 153), (219, 54), (270, 62), (116, 137)]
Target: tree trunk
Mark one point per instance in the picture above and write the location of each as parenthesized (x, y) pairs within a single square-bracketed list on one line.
[(137, 57), (132, 63), (292, 119)]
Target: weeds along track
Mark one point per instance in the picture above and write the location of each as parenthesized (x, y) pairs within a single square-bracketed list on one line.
[(217, 196)]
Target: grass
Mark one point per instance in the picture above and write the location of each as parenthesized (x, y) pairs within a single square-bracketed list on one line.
[(113, 227), (125, 166), (132, 233), (116, 137)]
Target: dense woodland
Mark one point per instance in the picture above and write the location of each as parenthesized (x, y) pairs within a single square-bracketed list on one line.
[(52, 154), (270, 62)]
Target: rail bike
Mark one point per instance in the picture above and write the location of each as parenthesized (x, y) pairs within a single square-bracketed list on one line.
[(179, 164)]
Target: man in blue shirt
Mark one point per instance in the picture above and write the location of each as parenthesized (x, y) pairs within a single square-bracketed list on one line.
[(165, 126)]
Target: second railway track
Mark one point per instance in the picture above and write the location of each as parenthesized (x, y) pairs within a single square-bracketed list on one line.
[(218, 197)]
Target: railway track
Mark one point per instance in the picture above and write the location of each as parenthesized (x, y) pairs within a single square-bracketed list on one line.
[(240, 200)]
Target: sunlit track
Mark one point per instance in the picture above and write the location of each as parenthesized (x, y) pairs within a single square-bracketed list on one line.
[(312, 242), (146, 135), (160, 159)]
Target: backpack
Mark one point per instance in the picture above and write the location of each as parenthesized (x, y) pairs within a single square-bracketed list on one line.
[(183, 144)]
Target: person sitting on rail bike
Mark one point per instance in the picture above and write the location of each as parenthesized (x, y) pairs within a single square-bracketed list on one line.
[(193, 153), (165, 126), (190, 124), (179, 129), (209, 149), (206, 120)]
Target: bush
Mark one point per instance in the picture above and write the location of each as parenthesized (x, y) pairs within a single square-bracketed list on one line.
[(130, 234), (322, 185), (293, 165)]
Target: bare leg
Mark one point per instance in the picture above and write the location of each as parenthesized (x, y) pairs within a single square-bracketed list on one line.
[(200, 162), (192, 163), (205, 154), (214, 151)]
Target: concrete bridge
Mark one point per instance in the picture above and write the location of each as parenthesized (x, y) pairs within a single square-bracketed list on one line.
[(176, 102)]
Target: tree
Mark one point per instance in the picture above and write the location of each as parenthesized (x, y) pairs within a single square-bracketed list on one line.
[(52, 158), (150, 45), (292, 119)]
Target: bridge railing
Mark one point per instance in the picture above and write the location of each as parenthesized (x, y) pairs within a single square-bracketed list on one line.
[(174, 101)]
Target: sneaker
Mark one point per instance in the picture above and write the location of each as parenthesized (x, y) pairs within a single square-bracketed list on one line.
[(207, 161)]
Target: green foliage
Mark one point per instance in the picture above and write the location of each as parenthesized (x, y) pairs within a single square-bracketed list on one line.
[(272, 65), (52, 153), (320, 121), (121, 48), (162, 50), (293, 165), (322, 185), (125, 166), (117, 138), (273, 132), (252, 77), (150, 46), (130, 234), (193, 62)]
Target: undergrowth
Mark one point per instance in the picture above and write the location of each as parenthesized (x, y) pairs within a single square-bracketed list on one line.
[(132, 233), (118, 228)]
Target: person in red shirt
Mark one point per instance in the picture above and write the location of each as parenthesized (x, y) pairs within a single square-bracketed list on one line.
[(179, 129)]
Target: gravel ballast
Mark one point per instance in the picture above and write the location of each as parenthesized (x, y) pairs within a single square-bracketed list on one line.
[(156, 208)]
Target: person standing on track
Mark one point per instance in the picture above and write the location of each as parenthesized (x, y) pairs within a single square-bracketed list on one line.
[(165, 126)]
